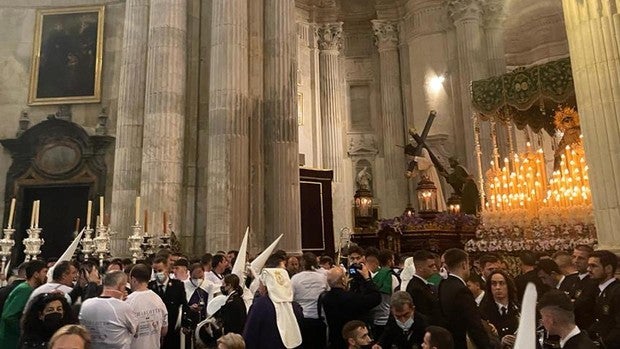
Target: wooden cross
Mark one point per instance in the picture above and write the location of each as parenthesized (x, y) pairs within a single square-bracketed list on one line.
[(421, 140)]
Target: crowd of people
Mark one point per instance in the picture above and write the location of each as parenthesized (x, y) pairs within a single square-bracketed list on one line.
[(372, 300)]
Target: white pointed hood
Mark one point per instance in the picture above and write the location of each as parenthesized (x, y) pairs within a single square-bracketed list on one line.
[(259, 262), (239, 267), (66, 256)]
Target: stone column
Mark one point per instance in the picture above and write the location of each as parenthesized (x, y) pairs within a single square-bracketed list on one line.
[(228, 173), (330, 43), (282, 207), (593, 29), (128, 152), (386, 39), (472, 63), (164, 117)]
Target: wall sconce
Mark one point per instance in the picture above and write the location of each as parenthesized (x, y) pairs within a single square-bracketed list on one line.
[(427, 197), (364, 213), (435, 83)]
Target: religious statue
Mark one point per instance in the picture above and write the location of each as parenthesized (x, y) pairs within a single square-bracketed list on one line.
[(566, 120), (423, 165), (464, 186), (363, 179)]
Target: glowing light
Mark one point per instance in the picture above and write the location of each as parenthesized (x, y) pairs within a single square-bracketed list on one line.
[(436, 83)]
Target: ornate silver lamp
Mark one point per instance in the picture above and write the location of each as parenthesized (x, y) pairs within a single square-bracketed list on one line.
[(102, 243), (87, 242), (135, 242), (33, 243)]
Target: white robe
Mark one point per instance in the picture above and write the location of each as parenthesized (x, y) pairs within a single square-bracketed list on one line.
[(426, 167)]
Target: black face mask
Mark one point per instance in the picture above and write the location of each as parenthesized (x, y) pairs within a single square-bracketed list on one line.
[(53, 321)]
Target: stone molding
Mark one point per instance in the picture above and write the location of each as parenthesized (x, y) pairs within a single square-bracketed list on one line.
[(465, 10), (386, 34), (362, 146), (494, 13), (330, 36)]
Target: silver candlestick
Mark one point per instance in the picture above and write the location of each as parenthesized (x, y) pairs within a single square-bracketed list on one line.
[(87, 243), (33, 243), (6, 247), (102, 243), (135, 242)]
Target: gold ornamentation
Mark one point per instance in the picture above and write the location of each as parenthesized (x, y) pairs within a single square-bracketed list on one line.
[(566, 118)]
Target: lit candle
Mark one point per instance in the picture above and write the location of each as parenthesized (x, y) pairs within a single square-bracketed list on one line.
[(89, 210), (137, 210), (34, 206), (97, 221), (101, 209), (36, 216), (11, 213)]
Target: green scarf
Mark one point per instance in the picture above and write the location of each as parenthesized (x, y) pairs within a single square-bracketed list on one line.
[(383, 280)]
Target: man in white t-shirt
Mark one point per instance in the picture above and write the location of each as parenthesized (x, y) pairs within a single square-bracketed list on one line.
[(111, 321), (149, 309), (219, 263), (63, 276)]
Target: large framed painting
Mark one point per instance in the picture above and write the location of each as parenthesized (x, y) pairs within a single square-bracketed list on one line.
[(66, 58)]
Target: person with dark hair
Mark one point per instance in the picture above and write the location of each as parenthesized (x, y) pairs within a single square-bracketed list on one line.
[(36, 275), (172, 293), (423, 292), (115, 264), (405, 328), (489, 263), (308, 286), (457, 303), (89, 282), (219, 263), (48, 313), (558, 318), (500, 306), (355, 334), (529, 260), (356, 254), (62, 281), (551, 275), (326, 262), (6, 290), (606, 328), (205, 260), (197, 298), (477, 287), (234, 312), (181, 269), (586, 289), (110, 320), (232, 257), (437, 338), (276, 260), (386, 282), (149, 309)]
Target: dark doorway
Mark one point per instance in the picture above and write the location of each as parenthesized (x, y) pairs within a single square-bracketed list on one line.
[(60, 207), (317, 226)]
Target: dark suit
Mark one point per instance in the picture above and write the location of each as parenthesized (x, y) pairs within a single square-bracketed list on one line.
[(425, 300), (394, 337), (569, 283), (606, 325), (461, 313), (580, 341), (522, 280), (585, 293), (174, 299), (505, 324)]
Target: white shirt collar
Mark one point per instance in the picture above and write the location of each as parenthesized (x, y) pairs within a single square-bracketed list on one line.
[(583, 276), (460, 278), (604, 285), (419, 277), (560, 282), (572, 334), (500, 306), (479, 298)]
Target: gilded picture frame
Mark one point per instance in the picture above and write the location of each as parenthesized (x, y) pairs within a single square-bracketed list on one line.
[(67, 56)]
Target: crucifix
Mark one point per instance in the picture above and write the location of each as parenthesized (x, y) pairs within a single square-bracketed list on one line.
[(421, 143)]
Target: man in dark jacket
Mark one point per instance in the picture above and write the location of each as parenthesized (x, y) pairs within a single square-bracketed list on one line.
[(172, 293), (458, 305), (606, 328), (422, 292), (558, 318), (342, 305), (528, 274), (586, 289), (405, 328)]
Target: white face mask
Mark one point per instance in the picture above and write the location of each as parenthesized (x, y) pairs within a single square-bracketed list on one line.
[(443, 273), (405, 325), (160, 277), (196, 282)]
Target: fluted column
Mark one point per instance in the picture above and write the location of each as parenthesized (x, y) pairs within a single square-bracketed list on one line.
[(330, 43), (164, 114), (593, 29), (282, 207), (386, 39), (128, 151), (228, 173), (472, 62)]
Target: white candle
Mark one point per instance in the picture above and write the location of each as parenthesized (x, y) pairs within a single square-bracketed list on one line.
[(36, 215), (97, 221), (11, 212), (34, 205), (101, 210), (137, 210), (88, 213)]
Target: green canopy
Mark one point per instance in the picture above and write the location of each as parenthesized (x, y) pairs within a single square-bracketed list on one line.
[(526, 96)]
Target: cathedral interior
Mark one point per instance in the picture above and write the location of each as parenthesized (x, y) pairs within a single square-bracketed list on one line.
[(283, 116)]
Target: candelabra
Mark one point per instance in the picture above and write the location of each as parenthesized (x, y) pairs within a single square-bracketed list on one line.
[(6, 245), (165, 238), (102, 243), (135, 241), (148, 244), (33, 243), (87, 243)]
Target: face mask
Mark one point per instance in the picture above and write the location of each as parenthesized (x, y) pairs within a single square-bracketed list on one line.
[(443, 273), (405, 325), (196, 282), (53, 321), (160, 277)]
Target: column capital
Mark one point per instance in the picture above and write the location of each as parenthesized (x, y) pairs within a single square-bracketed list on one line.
[(494, 15), (462, 10), (330, 36), (386, 34)]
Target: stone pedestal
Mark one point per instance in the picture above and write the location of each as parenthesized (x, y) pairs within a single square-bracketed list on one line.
[(593, 32), (129, 121), (164, 117), (386, 39), (282, 210), (228, 168)]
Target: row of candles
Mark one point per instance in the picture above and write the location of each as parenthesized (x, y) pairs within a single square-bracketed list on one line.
[(526, 185)]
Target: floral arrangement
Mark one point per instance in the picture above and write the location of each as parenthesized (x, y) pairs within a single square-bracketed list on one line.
[(442, 221)]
